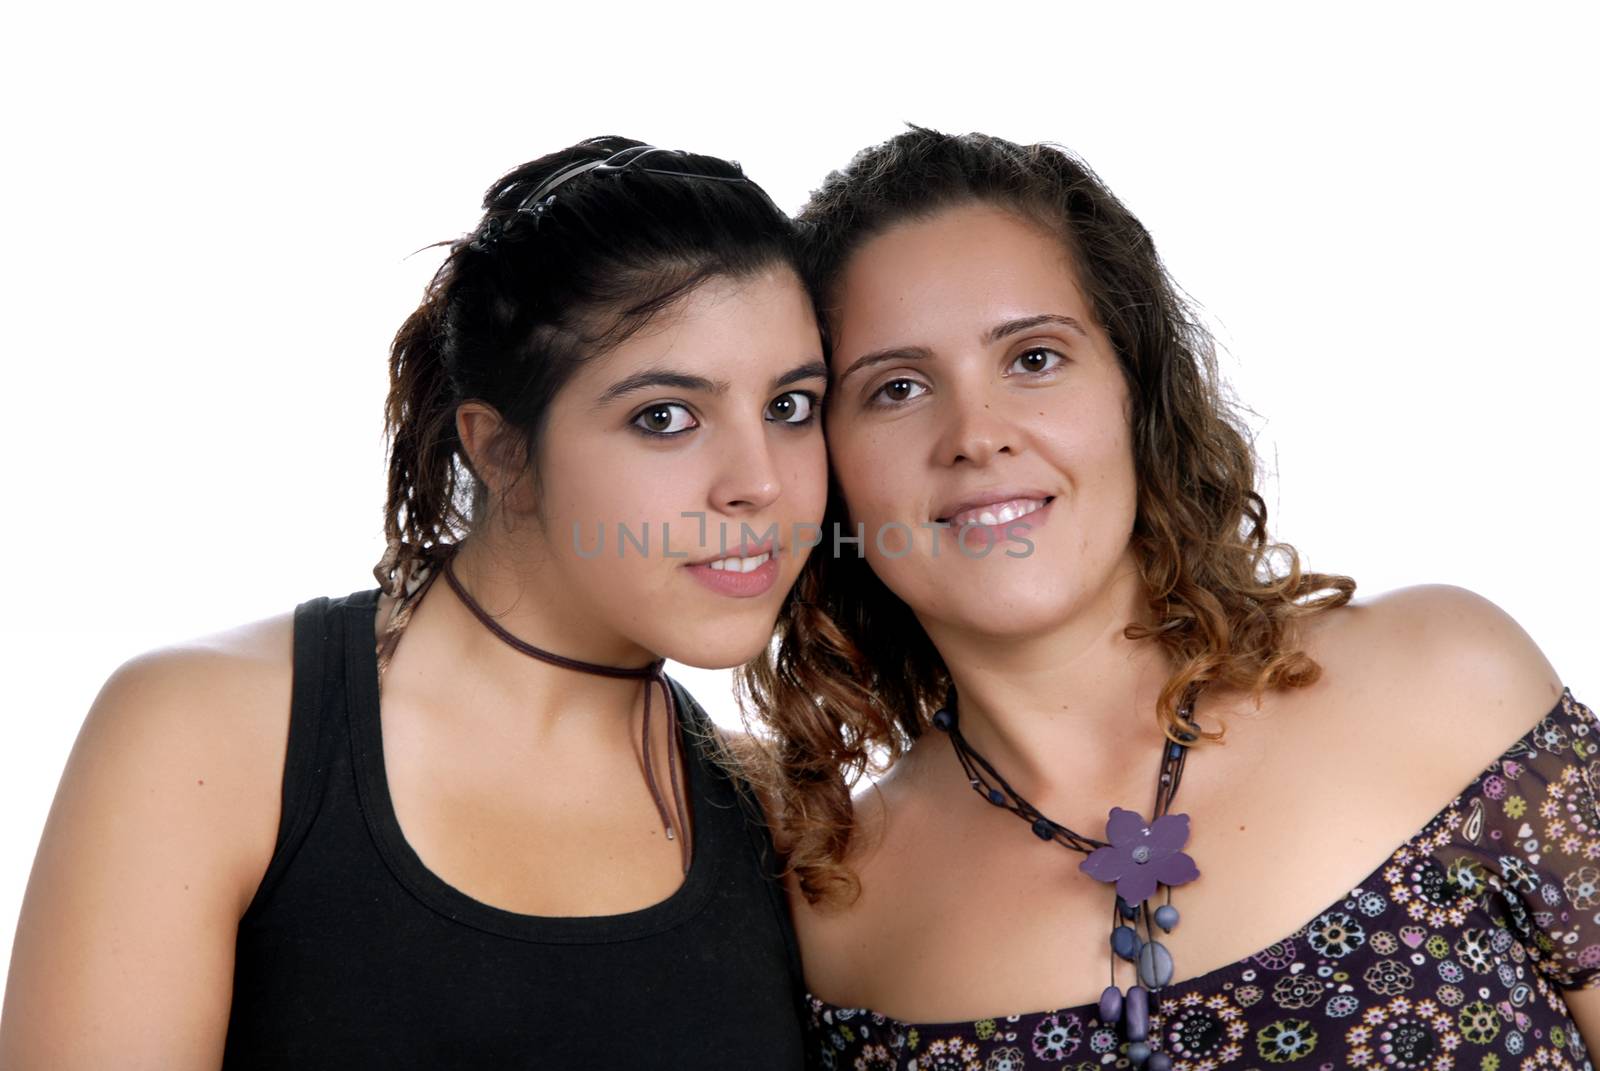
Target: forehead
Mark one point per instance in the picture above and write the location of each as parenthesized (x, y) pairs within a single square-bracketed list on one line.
[(961, 270), (724, 323)]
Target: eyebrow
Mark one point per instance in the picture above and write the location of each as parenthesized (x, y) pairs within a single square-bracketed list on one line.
[(994, 334), (1012, 327), (893, 353), (810, 370), (666, 377)]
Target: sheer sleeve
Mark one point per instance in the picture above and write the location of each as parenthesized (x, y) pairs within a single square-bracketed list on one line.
[(1534, 824)]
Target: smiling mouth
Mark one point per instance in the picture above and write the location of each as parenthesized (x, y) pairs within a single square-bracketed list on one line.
[(740, 565), (997, 513), (748, 571)]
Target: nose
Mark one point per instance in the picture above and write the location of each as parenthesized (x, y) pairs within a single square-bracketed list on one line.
[(747, 480), (976, 432)]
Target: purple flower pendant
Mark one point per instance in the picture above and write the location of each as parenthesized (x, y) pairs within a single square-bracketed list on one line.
[(1142, 855)]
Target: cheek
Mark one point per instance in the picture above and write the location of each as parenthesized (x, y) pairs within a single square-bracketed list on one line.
[(874, 467), (1096, 457), (804, 467), (1086, 432), (1112, 453), (1101, 456), (592, 486)]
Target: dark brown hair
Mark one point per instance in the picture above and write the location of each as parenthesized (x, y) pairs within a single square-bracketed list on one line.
[(852, 674), (533, 291)]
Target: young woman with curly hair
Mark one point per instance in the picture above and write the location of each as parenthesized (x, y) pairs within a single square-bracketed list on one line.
[(1374, 820), (464, 820)]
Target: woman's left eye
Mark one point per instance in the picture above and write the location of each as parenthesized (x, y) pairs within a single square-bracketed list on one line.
[(793, 407), (1037, 360), (665, 418)]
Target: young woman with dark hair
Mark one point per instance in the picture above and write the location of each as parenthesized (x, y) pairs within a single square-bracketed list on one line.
[(464, 820), (1108, 702)]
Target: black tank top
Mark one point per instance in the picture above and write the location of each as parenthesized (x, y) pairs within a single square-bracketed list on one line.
[(353, 954)]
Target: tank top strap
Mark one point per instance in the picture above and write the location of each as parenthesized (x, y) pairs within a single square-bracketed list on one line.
[(317, 736), (734, 797)]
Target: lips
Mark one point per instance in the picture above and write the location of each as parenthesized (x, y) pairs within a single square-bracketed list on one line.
[(747, 571)]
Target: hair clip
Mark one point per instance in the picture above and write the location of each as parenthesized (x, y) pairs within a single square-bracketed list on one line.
[(489, 235), (537, 209)]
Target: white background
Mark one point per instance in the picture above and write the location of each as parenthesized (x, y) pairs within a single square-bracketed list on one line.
[(1388, 213)]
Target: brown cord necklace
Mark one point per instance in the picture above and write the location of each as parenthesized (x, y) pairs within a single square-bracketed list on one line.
[(654, 674)]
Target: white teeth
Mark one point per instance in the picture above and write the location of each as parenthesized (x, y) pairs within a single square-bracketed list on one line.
[(740, 565), (999, 513), (1014, 510)]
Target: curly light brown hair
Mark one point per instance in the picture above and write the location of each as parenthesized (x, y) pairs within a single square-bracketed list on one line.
[(851, 678)]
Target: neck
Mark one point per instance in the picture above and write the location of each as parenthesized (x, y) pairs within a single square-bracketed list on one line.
[(1065, 712), (530, 602), (597, 704)]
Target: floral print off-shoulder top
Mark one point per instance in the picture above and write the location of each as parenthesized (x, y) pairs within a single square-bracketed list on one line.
[(1451, 956)]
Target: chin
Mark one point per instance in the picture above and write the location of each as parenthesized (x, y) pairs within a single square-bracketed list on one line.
[(708, 646), (997, 616), (1001, 606)]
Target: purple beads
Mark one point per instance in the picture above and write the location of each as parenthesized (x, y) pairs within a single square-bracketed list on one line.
[(1136, 1013), (1125, 942), (1111, 1005), (1155, 964)]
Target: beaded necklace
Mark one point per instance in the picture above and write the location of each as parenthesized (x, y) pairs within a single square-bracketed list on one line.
[(1137, 857)]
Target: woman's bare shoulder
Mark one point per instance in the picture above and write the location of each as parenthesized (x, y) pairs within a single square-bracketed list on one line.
[(211, 693), (263, 644), (1442, 664), (205, 719), (163, 825)]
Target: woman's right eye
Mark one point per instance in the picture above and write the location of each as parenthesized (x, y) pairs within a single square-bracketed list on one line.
[(898, 390), (665, 418)]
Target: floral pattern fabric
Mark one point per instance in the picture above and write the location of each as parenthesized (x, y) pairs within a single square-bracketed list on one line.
[(1451, 956)]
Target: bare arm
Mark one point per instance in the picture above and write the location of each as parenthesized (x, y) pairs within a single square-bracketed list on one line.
[(162, 826), (1584, 1004)]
